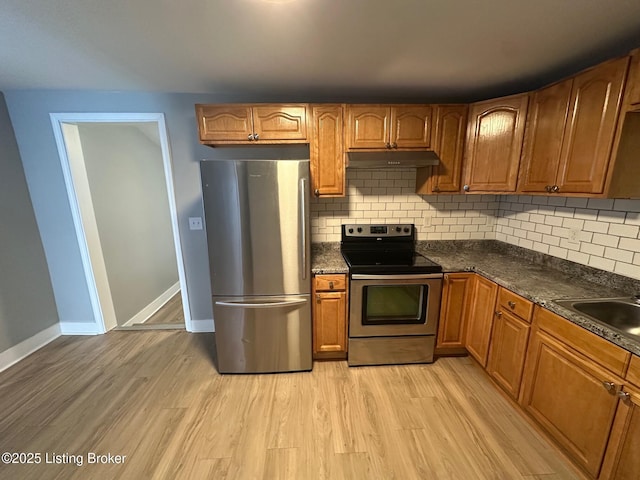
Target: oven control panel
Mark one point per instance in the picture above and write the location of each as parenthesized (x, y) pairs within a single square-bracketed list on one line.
[(395, 230)]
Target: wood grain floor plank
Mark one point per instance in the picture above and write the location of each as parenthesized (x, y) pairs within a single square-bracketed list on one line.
[(156, 397)]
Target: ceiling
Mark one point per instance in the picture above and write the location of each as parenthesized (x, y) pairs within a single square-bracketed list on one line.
[(292, 50)]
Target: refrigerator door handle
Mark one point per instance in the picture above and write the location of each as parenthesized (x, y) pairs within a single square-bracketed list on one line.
[(303, 225), (274, 304)]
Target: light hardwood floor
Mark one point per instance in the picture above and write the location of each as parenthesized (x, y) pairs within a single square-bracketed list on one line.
[(156, 397), (171, 313)]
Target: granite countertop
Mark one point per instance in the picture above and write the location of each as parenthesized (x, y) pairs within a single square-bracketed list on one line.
[(538, 277)]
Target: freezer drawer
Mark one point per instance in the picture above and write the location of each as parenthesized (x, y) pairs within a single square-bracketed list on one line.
[(263, 334)]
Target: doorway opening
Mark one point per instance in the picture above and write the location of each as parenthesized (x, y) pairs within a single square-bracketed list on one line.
[(119, 181)]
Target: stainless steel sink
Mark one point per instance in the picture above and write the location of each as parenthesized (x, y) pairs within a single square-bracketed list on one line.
[(622, 314)]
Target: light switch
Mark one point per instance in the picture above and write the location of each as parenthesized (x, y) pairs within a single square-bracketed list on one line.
[(195, 223)]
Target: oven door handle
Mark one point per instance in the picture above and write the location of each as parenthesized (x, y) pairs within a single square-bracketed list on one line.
[(414, 276)]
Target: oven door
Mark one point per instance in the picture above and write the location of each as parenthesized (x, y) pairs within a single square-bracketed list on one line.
[(389, 305)]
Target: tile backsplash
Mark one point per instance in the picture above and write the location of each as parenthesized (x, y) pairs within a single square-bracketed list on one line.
[(602, 233), (388, 196)]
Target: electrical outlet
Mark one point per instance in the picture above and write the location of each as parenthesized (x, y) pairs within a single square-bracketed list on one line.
[(195, 223)]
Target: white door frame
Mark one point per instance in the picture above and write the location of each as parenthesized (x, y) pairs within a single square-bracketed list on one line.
[(86, 230)]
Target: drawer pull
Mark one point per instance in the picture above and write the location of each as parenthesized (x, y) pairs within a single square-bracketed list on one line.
[(609, 386), (498, 314), (512, 304), (330, 285)]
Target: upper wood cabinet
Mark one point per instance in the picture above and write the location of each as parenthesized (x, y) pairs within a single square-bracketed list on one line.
[(633, 80), (388, 126), (494, 143), (570, 131), (327, 150), (448, 143), (249, 124)]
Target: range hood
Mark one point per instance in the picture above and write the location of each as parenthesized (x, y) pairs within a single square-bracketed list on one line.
[(392, 159)]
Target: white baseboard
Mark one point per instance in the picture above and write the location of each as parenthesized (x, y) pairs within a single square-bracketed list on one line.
[(146, 313), (202, 326), (16, 353), (80, 328)]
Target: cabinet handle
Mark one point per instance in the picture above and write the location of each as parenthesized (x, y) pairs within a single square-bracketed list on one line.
[(330, 285), (436, 189), (394, 145), (609, 386), (388, 145), (498, 313), (624, 396), (250, 136), (316, 192), (466, 188), (555, 189), (512, 305), (318, 297), (548, 188), (256, 136)]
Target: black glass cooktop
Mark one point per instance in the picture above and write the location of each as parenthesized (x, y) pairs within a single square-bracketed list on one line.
[(389, 262)]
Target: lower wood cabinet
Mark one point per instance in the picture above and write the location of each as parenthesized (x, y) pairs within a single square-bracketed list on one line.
[(480, 319), (330, 316), (622, 460), (507, 351), (570, 395), (454, 308)]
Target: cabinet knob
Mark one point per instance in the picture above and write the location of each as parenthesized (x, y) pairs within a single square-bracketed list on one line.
[(316, 192), (555, 189), (256, 136), (624, 396), (436, 189), (330, 285), (466, 188), (512, 305), (394, 145), (609, 386), (548, 188), (388, 145), (498, 313), (318, 297), (250, 136)]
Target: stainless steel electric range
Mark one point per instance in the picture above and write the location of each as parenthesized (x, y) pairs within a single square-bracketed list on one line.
[(394, 299)]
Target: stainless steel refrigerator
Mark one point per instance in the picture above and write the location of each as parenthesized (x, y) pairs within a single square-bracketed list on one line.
[(256, 216)]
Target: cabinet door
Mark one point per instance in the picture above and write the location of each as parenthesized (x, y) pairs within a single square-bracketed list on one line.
[(543, 137), (280, 122), (494, 143), (448, 143), (330, 325), (224, 123), (368, 126), (565, 393), (480, 320), (327, 151), (633, 80), (622, 461), (594, 108), (507, 352), (453, 312), (411, 126)]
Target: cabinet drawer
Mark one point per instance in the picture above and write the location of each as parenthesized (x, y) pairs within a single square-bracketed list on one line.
[(589, 344), (515, 304), (329, 283)]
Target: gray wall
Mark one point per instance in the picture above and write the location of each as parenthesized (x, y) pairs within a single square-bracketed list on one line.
[(26, 298), (29, 110), (129, 195)]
